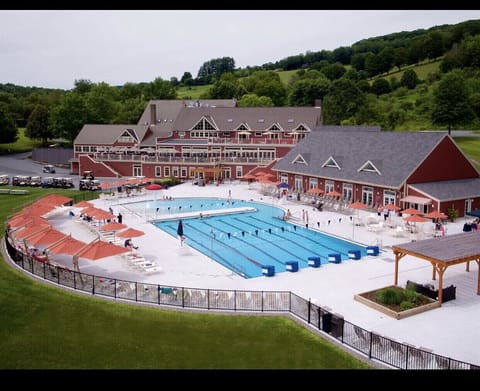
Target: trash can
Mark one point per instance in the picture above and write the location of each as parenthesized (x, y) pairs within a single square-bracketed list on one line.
[(314, 261), (268, 270), (334, 258), (337, 322), (326, 322), (291, 266), (372, 250), (354, 254)]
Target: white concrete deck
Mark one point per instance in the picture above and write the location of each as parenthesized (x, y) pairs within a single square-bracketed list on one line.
[(451, 330)]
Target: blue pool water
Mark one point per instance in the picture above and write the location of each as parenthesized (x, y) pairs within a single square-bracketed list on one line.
[(246, 242)]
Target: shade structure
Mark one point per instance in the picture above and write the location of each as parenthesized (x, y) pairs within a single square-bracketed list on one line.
[(83, 204), (67, 246), (264, 174), (27, 220), (98, 214), (54, 200), (180, 228), (31, 229), (130, 233), (113, 226), (249, 176), (411, 211), (358, 205), (334, 193), (315, 190), (39, 209), (100, 249), (154, 186), (46, 237), (436, 215), (283, 185), (415, 219), (392, 207)]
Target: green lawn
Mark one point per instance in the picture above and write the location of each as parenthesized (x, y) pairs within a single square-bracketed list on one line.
[(285, 76), (421, 70), (471, 147), (23, 144), (45, 327), (194, 92)]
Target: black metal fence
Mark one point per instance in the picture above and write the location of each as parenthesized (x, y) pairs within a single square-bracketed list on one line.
[(374, 346)]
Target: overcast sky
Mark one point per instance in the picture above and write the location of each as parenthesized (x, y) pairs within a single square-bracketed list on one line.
[(54, 48)]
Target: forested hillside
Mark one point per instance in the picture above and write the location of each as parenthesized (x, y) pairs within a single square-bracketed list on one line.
[(410, 80)]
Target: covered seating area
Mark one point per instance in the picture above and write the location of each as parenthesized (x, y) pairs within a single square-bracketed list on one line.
[(208, 174), (442, 253)]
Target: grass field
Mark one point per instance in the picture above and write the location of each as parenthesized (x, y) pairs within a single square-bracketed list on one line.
[(44, 327), (194, 92), (421, 70), (23, 144)]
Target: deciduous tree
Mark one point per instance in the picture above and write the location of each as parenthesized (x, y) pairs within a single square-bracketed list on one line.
[(451, 101)]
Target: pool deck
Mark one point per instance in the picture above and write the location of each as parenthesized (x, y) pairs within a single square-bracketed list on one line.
[(450, 330)]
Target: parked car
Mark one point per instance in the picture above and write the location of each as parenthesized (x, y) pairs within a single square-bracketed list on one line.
[(4, 179), (49, 169)]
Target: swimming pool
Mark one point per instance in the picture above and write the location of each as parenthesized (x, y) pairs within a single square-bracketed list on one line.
[(244, 242)]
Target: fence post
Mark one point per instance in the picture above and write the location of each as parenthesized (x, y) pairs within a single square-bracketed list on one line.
[(93, 284), (115, 288), (136, 291), (262, 301), (235, 300), (371, 344), (44, 271), (57, 269), (309, 308), (183, 297), (74, 280), (406, 357), (158, 294)]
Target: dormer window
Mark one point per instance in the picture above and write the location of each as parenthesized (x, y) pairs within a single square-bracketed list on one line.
[(300, 160), (369, 167), (331, 162)]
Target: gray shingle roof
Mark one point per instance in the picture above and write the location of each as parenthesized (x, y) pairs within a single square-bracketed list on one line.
[(395, 154), (257, 118), (450, 190), (106, 134)]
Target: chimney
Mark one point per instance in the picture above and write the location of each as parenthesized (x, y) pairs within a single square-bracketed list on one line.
[(318, 105), (153, 114)]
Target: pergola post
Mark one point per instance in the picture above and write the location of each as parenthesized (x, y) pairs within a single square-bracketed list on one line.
[(441, 270), (478, 277)]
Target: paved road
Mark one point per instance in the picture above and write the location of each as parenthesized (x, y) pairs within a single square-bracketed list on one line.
[(22, 164)]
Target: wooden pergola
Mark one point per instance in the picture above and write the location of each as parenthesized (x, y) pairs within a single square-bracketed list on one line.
[(442, 253), (216, 172)]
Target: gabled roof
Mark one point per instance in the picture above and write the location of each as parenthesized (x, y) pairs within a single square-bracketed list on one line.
[(450, 190), (349, 128), (166, 112), (107, 134), (257, 118), (395, 154)]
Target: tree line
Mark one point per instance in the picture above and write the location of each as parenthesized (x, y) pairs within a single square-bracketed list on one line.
[(351, 81)]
